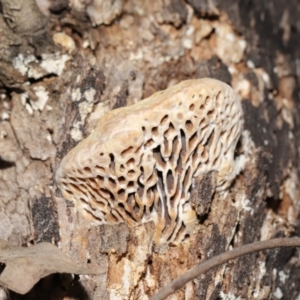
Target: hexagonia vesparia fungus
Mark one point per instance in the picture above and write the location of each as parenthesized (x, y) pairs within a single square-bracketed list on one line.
[(140, 162)]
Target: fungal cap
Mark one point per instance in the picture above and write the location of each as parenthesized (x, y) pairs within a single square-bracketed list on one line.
[(140, 161)]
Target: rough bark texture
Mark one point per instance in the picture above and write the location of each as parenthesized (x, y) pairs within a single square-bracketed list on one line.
[(58, 75)]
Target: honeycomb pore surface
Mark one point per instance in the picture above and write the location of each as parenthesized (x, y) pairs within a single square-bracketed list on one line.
[(140, 161)]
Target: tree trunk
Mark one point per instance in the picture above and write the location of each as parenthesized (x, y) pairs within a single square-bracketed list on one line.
[(62, 70)]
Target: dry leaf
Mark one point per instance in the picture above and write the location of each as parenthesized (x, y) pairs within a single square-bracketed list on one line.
[(24, 267)]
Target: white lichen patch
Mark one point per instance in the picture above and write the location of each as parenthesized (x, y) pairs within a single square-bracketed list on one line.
[(283, 276), (187, 43), (34, 68), (278, 293), (250, 64), (5, 116), (84, 109), (42, 98), (54, 63), (246, 205), (76, 95), (90, 95), (21, 63), (139, 163), (76, 133)]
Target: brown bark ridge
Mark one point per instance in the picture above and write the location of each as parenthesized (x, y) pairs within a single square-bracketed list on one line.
[(61, 71)]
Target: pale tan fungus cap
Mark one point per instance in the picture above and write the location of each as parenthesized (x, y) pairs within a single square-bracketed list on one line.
[(140, 162)]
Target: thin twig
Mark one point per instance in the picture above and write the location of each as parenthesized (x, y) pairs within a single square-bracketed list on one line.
[(221, 259)]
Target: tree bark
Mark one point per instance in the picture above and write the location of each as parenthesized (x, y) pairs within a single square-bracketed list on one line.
[(60, 72)]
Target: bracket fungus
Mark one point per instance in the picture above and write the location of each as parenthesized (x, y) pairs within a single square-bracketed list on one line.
[(140, 162)]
